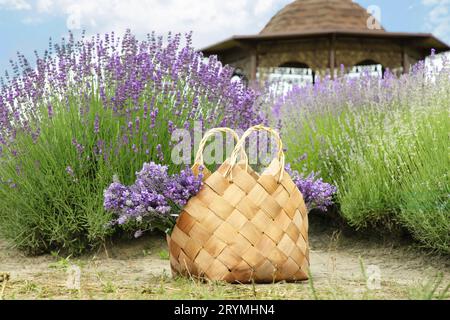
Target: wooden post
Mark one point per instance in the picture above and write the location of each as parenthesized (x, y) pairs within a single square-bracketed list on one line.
[(405, 61), (332, 58), (251, 52), (253, 65)]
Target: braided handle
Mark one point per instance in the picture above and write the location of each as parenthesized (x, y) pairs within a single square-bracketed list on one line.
[(241, 146), (199, 161)]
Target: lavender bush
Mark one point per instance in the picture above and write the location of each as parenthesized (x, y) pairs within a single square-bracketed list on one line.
[(382, 142), (90, 109)]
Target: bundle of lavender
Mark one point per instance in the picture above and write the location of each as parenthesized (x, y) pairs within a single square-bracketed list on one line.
[(155, 199)]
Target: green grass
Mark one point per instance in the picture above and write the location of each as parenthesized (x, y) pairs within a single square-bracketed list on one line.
[(433, 289), (164, 255)]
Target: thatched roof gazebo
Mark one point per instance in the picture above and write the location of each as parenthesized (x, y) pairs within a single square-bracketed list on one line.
[(322, 35)]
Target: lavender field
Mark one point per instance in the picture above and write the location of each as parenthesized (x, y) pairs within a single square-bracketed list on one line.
[(85, 131), (93, 109), (383, 142)]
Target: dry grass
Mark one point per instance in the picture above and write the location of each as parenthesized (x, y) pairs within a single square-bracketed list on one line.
[(140, 270), (165, 287)]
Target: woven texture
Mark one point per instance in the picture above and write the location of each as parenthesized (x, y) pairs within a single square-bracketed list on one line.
[(243, 227)]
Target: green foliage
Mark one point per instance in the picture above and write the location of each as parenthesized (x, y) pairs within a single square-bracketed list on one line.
[(387, 153), (55, 209), (164, 255)]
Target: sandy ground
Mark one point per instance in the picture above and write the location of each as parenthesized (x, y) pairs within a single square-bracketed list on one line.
[(130, 269)]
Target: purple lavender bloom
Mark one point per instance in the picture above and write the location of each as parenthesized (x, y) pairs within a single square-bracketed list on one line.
[(153, 116), (50, 110), (79, 147), (96, 124), (154, 195), (130, 127), (171, 126), (183, 186), (137, 124), (116, 197), (316, 193), (69, 171), (122, 220), (153, 177), (160, 153)]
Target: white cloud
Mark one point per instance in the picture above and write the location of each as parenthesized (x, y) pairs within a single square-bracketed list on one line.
[(263, 6), (438, 19), (14, 5), (44, 5), (32, 21), (211, 20)]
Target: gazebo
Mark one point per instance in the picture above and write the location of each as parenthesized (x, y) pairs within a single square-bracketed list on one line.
[(321, 36)]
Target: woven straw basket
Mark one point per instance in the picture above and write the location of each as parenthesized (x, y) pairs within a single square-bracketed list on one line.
[(243, 227)]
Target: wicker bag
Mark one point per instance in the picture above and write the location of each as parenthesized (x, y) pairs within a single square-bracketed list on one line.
[(243, 227)]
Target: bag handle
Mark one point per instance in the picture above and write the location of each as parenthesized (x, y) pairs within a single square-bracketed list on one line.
[(241, 146), (199, 161)]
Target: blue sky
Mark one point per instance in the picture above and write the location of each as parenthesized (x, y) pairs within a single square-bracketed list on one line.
[(26, 25)]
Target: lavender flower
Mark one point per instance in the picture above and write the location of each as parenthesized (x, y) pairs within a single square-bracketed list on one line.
[(155, 195), (69, 171), (50, 110), (153, 177), (79, 147), (160, 153), (115, 197), (183, 186), (316, 193), (96, 124)]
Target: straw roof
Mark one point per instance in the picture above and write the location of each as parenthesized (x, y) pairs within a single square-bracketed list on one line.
[(319, 15)]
